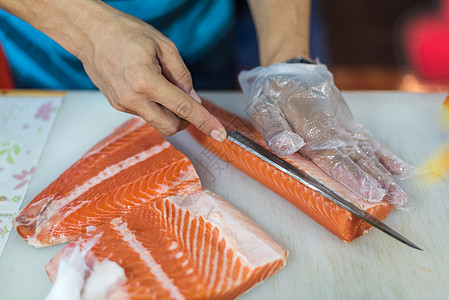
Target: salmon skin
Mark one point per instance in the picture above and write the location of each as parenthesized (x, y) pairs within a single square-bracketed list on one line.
[(337, 220), (142, 226)]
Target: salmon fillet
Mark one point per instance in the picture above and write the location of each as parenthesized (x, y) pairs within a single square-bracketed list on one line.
[(197, 247), (337, 220), (130, 168), (142, 226)]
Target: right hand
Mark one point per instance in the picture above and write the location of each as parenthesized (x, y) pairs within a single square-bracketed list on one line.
[(140, 72)]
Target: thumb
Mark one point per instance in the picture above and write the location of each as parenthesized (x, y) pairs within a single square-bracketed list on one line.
[(270, 122)]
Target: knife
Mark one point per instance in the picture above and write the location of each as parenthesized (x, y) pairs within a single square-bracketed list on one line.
[(289, 169)]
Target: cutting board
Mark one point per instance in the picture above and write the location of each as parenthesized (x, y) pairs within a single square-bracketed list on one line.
[(320, 266)]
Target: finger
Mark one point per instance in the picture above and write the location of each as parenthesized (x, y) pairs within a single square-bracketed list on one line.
[(269, 120), (390, 161), (186, 108), (344, 170), (395, 195), (366, 147), (183, 124), (160, 118), (166, 122), (175, 70)]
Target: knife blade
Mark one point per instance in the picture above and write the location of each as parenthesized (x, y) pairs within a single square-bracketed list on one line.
[(307, 180)]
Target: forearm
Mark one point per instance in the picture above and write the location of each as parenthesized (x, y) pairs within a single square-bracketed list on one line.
[(67, 22), (282, 29)]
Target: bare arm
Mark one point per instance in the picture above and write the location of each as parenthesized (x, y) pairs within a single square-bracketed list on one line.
[(137, 68), (282, 29), (65, 22)]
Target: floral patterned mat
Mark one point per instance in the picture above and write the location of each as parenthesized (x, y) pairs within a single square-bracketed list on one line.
[(5, 229), (25, 124)]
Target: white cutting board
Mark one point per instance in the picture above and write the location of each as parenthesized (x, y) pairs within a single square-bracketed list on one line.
[(320, 266)]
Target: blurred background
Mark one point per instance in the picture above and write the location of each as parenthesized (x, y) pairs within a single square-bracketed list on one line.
[(368, 45), (371, 45)]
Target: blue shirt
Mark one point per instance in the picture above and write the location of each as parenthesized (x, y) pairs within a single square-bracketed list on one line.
[(39, 62)]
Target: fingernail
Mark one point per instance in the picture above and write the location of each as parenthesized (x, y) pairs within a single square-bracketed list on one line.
[(218, 135), (195, 96)]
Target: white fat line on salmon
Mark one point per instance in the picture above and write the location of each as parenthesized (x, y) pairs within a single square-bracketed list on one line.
[(211, 267), (209, 252), (187, 240), (175, 223), (176, 229), (270, 270), (198, 206), (169, 207), (189, 174), (173, 246), (135, 126), (194, 246), (181, 232), (205, 265), (156, 269), (214, 267), (203, 242), (108, 172), (227, 282)]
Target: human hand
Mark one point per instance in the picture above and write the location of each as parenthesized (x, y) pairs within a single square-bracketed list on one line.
[(297, 107), (141, 72)]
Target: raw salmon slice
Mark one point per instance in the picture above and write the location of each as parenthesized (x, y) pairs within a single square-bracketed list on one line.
[(179, 247), (130, 168), (337, 220)]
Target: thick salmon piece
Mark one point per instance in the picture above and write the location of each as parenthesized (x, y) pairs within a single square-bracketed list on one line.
[(194, 247), (337, 220), (130, 168)]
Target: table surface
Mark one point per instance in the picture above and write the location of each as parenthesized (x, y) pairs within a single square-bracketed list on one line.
[(320, 266)]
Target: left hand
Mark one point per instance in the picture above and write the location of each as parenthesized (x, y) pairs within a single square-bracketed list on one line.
[(297, 107)]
